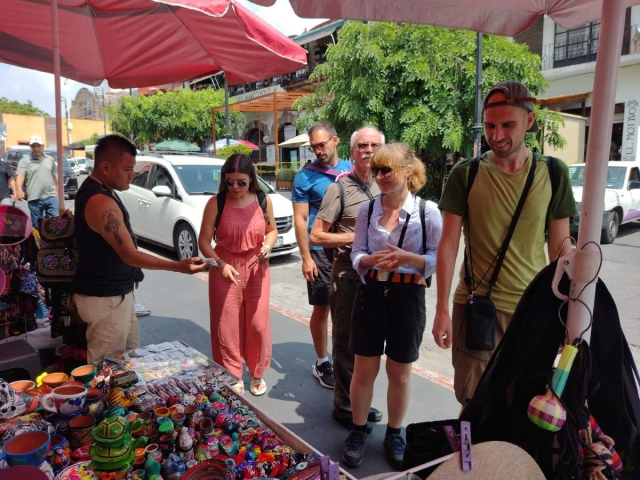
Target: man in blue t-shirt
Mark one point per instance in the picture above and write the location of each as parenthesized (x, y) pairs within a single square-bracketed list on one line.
[(308, 190)]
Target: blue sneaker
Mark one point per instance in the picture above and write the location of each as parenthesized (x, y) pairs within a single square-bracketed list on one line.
[(353, 451)]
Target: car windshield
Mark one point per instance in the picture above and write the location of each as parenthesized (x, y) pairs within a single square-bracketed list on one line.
[(81, 161), (205, 179), (615, 176)]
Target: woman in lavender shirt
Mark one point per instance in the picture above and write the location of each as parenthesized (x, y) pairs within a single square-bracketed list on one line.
[(394, 251)]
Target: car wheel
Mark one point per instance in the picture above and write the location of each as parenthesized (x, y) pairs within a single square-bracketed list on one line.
[(610, 229), (185, 242)]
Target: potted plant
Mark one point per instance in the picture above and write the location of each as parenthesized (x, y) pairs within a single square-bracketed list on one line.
[(284, 178)]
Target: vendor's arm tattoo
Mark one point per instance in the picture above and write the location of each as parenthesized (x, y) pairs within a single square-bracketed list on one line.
[(112, 224)]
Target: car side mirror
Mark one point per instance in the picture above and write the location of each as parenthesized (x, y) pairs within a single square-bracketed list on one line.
[(634, 185), (161, 191)]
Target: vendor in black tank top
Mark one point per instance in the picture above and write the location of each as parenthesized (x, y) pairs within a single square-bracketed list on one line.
[(110, 263)]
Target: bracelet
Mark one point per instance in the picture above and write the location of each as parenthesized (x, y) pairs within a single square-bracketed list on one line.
[(220, 263), (267, 247)]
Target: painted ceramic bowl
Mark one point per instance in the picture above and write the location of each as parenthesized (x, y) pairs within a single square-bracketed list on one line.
[(111, 431), (79, 471), (53, 380), (27, 448), (23, 385), (84, 374)]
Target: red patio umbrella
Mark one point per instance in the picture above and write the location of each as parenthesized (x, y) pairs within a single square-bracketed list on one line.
[(252, 146), (139, 43), (510, 17)]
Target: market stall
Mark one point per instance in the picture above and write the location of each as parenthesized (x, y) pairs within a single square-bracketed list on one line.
[(159, 412)]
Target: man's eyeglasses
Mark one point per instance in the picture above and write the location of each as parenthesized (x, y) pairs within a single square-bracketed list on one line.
[(385, 171), (229, 183), (319, 146), (364, 146)]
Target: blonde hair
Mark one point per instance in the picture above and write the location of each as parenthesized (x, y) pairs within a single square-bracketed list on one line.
[(401, 155)]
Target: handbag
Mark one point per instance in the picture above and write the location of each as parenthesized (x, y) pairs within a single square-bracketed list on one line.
[(58, 258), (427, 441), (480, 312), (57, 229)]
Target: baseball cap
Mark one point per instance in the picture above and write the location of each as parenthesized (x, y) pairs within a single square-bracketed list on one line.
[(515, 94), (36, 139)]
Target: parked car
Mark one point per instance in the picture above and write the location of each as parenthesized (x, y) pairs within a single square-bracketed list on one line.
[(15, 153), (73, 163), (621, 200), (82, 165), (168, 194)]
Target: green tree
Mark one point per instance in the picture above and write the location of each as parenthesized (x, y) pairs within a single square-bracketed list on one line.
[(183, 114), (416, 83), (18, 108), (227, 151)]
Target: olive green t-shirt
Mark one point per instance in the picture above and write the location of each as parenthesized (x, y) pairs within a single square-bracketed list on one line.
[(492, 202), (329, 211)]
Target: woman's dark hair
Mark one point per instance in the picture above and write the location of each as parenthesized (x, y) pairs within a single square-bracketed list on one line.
[(239, 163)]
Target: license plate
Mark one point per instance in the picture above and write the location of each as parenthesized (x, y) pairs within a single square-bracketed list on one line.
[(279, 242)]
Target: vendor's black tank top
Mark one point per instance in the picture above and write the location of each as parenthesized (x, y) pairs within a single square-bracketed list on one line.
[(101, 272)]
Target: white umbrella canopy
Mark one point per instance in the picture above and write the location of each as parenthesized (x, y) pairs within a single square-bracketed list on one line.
[(297, 141), (510, 17)]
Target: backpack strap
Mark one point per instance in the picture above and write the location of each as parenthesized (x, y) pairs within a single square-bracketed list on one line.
[(327, 171), (422, 206), (336, 224), (471, 177), (370, 212), (552, 166)]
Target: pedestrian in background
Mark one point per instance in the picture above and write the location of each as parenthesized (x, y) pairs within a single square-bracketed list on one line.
[(37, 174), (334, 229), (394, 251), (7, 183), (239, 289), (309, 187)]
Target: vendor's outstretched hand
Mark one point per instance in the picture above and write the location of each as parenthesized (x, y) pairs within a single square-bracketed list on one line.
[(191, 265)]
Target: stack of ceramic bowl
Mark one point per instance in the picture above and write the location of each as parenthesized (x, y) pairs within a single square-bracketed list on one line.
[(113, 452)]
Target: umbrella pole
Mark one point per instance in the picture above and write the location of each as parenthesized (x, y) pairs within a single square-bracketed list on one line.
[(58, 95), (226, 110), (604, 93)]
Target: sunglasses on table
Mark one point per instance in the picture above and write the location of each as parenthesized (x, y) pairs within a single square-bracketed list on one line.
[(229, 183), (385, 171)]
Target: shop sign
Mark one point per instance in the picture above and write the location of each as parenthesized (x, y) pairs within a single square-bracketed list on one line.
[(289, 132), (630, 136), (271, 154), (257, 93)]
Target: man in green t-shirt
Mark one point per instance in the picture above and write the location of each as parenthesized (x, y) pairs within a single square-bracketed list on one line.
[(508, 111)]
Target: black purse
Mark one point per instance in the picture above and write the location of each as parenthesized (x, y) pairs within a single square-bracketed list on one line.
[(427, 441), (480, 312)]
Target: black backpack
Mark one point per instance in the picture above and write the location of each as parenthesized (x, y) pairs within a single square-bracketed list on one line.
[(521, 366), (421, 208), (221, 198)]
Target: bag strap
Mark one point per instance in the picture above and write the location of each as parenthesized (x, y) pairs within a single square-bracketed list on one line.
[(338, 221), (552, 166), (327, 171), (422, 206), (361, 185), (474, 164), (499, 259)]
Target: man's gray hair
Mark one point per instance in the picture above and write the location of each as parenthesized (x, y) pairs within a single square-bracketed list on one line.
[(366, 127)]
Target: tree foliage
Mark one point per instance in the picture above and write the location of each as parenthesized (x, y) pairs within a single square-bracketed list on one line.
[(183, 114), (19, 108), (227, 151), (416, 83)]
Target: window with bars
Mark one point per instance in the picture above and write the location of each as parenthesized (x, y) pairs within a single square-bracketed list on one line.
[(576, 45)]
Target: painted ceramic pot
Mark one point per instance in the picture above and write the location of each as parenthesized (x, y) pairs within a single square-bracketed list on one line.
[(153, 450), (20, 386), (152, 467), (84, 374), (178, 420), (160, 412), (138, 462), (109, 458), (54, 380), (173, 400), (59, 455), (82, 454), (94, 404), (31, 400), (66, 400), (112, 431), (80, 431), (137, 474), (26, 449), (61, 422), (173, 468), (111, 474)]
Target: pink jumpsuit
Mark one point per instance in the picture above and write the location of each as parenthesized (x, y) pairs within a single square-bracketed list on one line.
[(240, 323)]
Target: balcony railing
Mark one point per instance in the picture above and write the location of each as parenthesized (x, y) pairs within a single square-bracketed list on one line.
[(584, 49)]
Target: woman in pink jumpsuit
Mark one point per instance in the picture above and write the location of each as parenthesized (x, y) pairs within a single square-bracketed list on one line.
[(240, 281)]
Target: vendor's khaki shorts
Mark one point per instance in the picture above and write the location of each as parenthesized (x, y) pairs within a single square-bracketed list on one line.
[(468, 364), (112, 325)]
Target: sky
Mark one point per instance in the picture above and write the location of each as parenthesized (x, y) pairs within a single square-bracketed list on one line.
[(22, 84)]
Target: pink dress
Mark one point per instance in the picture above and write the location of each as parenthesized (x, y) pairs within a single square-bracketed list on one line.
[(240, 322)]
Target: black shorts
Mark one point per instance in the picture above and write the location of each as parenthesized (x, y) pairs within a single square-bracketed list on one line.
[(318, 290), (397, 319)]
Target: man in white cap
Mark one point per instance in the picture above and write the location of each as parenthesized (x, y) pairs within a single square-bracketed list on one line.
[(484, 212), (37, 174)]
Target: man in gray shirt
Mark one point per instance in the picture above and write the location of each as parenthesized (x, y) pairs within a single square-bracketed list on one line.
[(37, 174), (334, 227)]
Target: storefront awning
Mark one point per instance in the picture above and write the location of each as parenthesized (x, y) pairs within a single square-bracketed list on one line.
[(574, 97), (318, 33)]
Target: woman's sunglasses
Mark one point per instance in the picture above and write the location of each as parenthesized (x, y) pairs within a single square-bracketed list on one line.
[(385, 171), (229, 183)]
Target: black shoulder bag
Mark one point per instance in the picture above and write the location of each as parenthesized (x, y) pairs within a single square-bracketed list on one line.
[(480, 311)]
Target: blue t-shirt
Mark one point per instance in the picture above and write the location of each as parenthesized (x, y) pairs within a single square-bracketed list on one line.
[(309, 187)]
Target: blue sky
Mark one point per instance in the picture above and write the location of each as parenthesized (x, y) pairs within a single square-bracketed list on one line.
[(22, 84)]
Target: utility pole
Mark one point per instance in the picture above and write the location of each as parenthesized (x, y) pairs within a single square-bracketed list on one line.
[(477, 126)]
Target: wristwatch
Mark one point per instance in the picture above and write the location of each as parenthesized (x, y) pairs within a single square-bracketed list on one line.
[(219, 263)]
